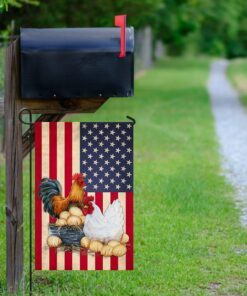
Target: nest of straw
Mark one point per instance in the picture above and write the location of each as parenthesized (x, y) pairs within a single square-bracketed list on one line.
[(70, 235)]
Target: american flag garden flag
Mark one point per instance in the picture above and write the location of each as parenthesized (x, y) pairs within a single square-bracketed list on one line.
[(103, 153)]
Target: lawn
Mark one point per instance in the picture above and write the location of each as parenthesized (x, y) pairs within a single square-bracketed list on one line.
[(188, 240), (237, 72)]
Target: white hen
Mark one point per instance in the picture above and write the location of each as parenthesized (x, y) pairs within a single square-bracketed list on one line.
[(107, 226)]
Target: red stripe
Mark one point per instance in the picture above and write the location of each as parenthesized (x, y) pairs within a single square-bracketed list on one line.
[(38, 202), (83, 256), (68, 178), (129, 229), (114, 259), (98, 257), (53, 175)]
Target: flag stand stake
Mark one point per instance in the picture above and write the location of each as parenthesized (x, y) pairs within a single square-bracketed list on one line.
[(29, 136)]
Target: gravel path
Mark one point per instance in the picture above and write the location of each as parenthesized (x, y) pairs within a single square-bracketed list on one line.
[(231, 126)]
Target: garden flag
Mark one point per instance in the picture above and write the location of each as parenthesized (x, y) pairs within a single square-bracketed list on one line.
[(83, 196)]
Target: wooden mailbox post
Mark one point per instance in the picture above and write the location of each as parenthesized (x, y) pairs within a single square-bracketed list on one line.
[(17, 147), (103, 61)]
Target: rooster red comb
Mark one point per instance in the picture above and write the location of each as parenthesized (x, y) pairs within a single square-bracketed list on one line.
[(79, 178)]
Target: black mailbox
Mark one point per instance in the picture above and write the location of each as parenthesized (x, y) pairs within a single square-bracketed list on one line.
[(76, 63)]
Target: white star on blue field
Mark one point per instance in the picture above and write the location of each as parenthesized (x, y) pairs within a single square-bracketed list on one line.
[(107, 156)]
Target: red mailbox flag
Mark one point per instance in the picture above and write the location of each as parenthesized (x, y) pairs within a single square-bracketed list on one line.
[(120, 21)]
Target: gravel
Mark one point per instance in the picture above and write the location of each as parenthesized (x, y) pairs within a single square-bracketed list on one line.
[(231, 127)]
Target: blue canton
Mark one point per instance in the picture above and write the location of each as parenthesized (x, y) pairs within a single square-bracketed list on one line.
[(106, 156)]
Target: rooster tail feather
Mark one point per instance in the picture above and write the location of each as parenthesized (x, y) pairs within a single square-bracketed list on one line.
[(47, 190), (59, 204)]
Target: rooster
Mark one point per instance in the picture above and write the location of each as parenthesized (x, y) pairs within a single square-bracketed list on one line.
[(55, 203)]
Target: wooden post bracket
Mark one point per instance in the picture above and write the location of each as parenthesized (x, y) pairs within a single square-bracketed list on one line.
[(25, 137)]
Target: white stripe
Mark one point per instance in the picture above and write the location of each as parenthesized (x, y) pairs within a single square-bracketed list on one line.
[(45, 215), (122, 199), (75, 169), (106, 202), (91, 255), (60, 178)]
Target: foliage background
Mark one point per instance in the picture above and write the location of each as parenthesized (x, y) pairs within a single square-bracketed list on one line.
[(217, 28)]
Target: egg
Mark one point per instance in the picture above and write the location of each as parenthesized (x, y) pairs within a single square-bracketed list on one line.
[(119, 250), (125, 238), (64, 215), (75, 211), (83, 218), (61, 222), (95, 246), (113, 243), (74, 221), (106, 251), (85, 242), (54, 241)]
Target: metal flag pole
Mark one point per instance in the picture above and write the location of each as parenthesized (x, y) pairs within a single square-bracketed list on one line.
[(132, 119), (30, 123)]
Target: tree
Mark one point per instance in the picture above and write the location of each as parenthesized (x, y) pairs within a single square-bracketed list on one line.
[(175, 20), (4, 4), (79, 13), (211, 27), (215, 27), (219, 26)]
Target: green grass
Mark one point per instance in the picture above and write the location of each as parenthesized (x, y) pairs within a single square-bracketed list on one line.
[(237, 72), (187, 229)]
